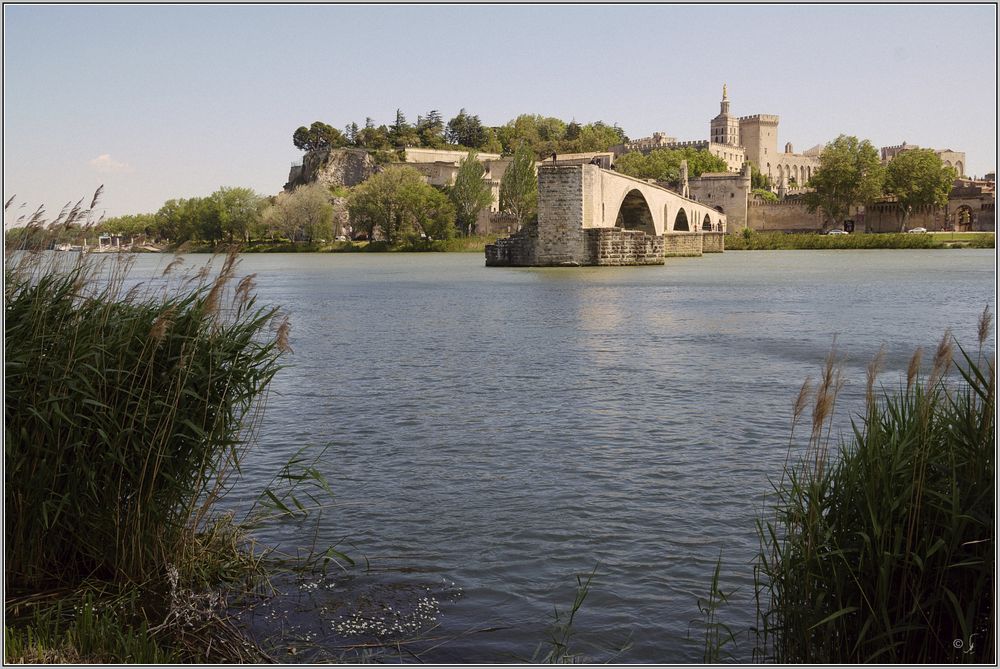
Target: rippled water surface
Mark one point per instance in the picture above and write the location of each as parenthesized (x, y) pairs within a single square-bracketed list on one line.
[(495, 432)]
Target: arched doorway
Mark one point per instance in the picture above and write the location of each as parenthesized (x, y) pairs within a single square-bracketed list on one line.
[(634, 213), (681, 222), (707, 223)]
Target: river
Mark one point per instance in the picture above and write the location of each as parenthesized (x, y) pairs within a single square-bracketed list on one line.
[(492, 433)]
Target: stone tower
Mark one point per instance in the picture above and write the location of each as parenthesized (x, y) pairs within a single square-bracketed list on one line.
[(760, 139), (725, 128)]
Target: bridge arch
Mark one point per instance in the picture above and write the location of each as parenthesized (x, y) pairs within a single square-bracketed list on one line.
[(634, 213), (707, 223), (681, 222)]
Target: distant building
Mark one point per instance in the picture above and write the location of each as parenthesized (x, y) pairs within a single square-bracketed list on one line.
[(955, 159), (738, 139)]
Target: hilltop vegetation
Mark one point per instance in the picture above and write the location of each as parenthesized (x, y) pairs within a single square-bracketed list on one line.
[(544, 135)]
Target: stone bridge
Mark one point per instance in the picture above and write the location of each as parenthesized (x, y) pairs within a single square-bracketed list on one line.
[(592, 216)]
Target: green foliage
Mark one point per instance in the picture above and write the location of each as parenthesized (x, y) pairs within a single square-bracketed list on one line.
[(305, 214), (519, 187), (130, 225), (376, 139), (430, 130), (850, 174), (886, 554), (917, 177), (402, 134), (397, 203), (547, 135), (124, 417), (765, 195), (665, 164), (717, 634), (759, 180), (752, 240), (466, 130), (561, 631), (470, 193), (88, 630), (240, 211), (318, 136)]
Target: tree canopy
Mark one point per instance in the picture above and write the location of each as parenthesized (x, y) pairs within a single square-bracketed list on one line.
[(665, 164), (917, 177), (519, 186), (544, 135), (849, 174), (397, 203), (318, 136), (470, 193)]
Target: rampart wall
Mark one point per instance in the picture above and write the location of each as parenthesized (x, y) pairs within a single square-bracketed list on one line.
[(784, 216)]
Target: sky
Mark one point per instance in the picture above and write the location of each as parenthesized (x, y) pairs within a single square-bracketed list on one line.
[(160, 102)]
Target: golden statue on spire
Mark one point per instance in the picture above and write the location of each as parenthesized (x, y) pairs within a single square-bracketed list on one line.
[(723, 91)]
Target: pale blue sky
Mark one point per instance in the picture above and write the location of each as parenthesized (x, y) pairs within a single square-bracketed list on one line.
[(174, 101)]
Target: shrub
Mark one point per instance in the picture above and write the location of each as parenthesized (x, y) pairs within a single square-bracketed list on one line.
[(887, 554), (124, 415)]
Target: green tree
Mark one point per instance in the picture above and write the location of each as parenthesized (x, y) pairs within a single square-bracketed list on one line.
[(397, 203), (129, 225), (519, 186), (466, 130), (376, 139), (430, 213), (305, 214), (665, 164), (240, 211), (764, 194), (205, 215), (759, 180), (430, 130), (470, 194), (850, 174), (402, 134), (318, 136), (170, 222), (917, 177)]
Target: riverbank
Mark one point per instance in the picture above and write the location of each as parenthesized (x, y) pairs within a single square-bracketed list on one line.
[(473, 244), (751, 240)]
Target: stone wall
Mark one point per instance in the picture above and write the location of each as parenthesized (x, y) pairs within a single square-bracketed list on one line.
[(602, 246), (616, 246), (560, 215), (518, 250), (681, 244), (724, 192), (784, 216), (713, 242), (881, 217)]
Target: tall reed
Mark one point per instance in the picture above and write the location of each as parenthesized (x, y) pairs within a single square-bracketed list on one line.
[(887, 552), (125, 412)]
